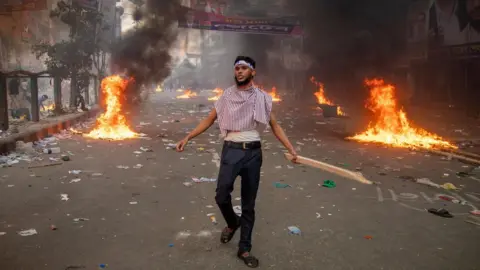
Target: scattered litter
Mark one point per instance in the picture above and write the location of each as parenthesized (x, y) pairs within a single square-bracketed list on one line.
[(10, 186), (133, 203), (75, 172), (138, 166), (449, 186), (281, 185), (28, 232), (188, 184), (144, 149), (238, 210), (123, 167), (354, 188), (76, 180), (426, 181), (278, 167), (475, 212), (368, 237), (53, 227), (55, 150), (103, 266), (440, 212), (318, 215), (170, 245), (203, 179), (293, 230), (65, 158), (214, 220), (64, 197), (329, 184), (80, 219), (2, 233), (97, 174), (137, 152), (71, 267)]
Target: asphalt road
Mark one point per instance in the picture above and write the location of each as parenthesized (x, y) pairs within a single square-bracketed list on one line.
[(147, 218)]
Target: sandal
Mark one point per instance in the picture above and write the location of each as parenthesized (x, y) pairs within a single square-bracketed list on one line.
[(248, 259), (440, 212), (227, 234)]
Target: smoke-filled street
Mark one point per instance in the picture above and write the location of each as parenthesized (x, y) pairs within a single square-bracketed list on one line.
[(138, 204)]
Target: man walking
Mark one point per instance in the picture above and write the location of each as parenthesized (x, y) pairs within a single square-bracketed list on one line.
[(243, 111)]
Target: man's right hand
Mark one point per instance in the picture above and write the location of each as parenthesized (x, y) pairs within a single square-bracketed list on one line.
[(181, 145)]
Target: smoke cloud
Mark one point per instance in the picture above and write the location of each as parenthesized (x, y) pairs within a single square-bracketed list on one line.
[(143, 53)]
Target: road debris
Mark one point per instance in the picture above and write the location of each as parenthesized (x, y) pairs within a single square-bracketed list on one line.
[(238, 210), (440, 212), (449, 186), (203, 180), (329, 184), (45, 165), (294, 230), (281, 185), (428, 182), (28, 232)]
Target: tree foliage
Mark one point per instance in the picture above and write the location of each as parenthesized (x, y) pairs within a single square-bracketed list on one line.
[(76, 56)]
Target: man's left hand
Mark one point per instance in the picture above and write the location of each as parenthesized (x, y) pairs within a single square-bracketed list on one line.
[(294, 155)]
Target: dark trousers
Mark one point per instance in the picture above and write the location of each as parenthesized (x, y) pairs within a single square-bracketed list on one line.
[(245, 163)]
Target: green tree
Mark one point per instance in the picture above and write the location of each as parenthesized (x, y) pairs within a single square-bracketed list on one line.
[(75, 58)]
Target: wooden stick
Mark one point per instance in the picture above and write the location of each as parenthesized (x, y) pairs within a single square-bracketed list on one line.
[(45, 165), (449, 154), (330, 168), (462, 153)]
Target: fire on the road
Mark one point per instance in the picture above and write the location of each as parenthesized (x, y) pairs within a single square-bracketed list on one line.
[(275, 96), (391, 125), (218, 93), (188, 94), (322, 98), (112, 124)]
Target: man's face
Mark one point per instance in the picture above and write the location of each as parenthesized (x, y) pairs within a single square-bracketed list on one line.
[(243, 74), (473, 9)]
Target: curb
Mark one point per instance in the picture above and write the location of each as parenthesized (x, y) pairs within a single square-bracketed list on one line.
[(9, 144)]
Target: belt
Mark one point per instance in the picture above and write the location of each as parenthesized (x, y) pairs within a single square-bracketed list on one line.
[(243, 145)]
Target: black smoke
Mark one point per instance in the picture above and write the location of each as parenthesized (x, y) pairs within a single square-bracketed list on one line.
[(143, 53)]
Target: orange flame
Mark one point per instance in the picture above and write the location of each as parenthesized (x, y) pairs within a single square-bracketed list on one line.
[(218, 92), (47, 108), (187, 94), (322, 98), (275, 96), (112, 124), (392, 126)]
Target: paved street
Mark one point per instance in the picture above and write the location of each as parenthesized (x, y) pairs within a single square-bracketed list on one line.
[(147, 217)]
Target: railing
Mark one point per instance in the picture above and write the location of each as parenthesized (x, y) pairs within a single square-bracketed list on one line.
[(35, 109)]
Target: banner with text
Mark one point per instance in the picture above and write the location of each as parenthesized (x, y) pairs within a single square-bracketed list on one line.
[(216, 22)]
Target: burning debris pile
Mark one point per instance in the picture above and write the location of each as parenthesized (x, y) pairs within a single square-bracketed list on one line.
[(392, 126), (112, 124), (187, 94), (144, 52), (218, 93), (274, 95), (322, 98)]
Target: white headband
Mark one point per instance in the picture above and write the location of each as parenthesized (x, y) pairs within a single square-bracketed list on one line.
[(245, 63)]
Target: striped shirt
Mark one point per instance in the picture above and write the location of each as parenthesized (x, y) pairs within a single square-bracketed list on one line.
[(243, 109)]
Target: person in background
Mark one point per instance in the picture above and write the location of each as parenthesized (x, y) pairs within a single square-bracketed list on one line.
[(41, 101)]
